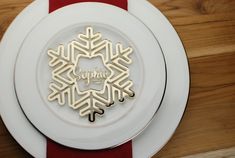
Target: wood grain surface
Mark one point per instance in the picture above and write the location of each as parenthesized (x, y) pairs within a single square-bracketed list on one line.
[(207, 29)]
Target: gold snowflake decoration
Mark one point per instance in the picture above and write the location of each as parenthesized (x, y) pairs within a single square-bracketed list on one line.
[(90, 90)]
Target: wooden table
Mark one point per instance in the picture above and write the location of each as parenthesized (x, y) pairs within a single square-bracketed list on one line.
[(207, 29)]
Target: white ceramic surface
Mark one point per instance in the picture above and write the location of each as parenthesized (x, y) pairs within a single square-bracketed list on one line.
[(90, 136), (164, 123)]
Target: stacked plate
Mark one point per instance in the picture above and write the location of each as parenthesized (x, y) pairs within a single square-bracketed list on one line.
[(92, 82)]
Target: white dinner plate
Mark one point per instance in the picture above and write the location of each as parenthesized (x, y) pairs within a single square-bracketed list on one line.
[(155, 136), (127, 119)]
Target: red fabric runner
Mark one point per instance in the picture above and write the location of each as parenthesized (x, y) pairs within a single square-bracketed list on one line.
[(56, 4), (55, 150)]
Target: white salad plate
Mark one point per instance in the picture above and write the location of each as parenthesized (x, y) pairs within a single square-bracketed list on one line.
[(164, 122), (127, 119)]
